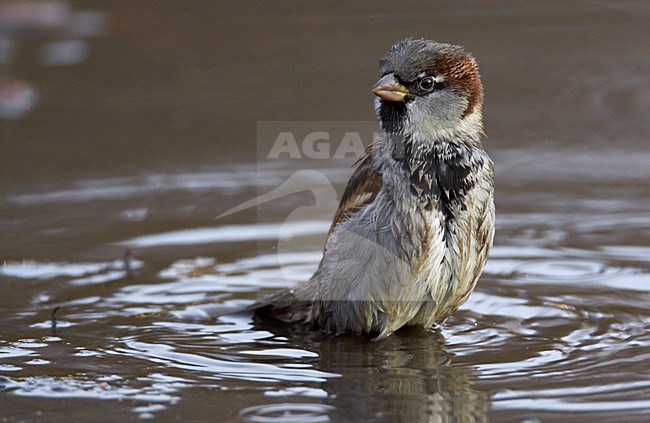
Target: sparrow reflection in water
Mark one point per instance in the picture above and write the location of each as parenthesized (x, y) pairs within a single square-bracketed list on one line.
[(416, 220)]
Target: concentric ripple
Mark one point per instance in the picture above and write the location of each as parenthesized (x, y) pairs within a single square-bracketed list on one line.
[(559, 322)]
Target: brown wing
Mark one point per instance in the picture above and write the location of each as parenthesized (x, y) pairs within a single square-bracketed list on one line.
[(361, 189)]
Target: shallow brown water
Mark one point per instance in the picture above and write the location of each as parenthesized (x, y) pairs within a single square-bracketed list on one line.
[(155, 133)]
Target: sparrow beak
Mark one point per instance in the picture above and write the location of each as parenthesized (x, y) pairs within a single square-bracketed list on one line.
[(389, 89)]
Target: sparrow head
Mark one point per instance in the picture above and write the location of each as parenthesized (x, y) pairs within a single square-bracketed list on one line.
[(429, 88)]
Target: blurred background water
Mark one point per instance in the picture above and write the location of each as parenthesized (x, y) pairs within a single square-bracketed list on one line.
[(127, 127)]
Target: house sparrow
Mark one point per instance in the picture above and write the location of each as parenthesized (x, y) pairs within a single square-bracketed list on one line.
[(416, 220)]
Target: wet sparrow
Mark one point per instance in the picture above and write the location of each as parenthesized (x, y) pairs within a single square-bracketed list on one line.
[(416, 220)]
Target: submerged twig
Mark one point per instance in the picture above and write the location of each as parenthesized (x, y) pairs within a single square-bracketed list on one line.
[(53, 317)]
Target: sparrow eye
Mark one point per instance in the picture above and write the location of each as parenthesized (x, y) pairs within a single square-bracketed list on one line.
[(427, 83)]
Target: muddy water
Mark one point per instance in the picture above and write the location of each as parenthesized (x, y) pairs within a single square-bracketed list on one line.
[(140, 145)]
